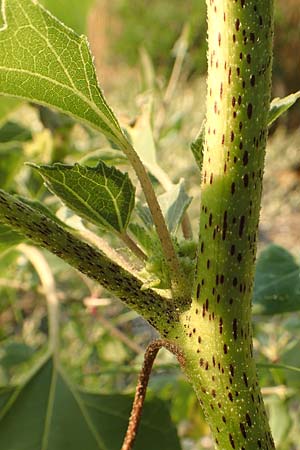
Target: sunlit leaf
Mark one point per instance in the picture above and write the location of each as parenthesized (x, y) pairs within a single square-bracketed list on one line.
[(280, 105), (7, 104), (277, 282), (50, 413), (102, 195), (108, 155), (52, 65)]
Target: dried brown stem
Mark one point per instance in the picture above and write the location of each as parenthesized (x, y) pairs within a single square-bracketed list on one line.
[(140, 393)]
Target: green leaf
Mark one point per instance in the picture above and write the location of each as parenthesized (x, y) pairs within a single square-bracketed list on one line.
[(12, 135), (50, 413), (7, 105), (173, 204), (280, 105), (145, 238), (9, 238), (12, 131), (102, 195), (11, 159), (197, 146), (74, 13), (108, 155), (141, 136), (277, 282), (280, 419), (15, 353), (53, 66)]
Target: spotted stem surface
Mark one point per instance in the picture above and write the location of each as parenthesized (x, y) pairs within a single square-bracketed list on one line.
[(217, 330)]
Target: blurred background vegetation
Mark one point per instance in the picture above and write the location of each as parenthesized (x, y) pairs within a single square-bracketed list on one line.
[(148, 59)]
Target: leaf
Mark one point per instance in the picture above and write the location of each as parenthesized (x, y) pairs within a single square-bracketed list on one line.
[(280, 105), (11, 159), (74, 14), (50, 413), (12, 131), (102, 195), (197, 146), (277, 282), (7, 105), (12, 135), (145, 238), (15, 353), (173, 204), (107, 155), (280, 419), (52, 65), (9, 238), (141, 136)]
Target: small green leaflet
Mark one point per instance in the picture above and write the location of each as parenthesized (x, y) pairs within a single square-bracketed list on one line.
[(173, 204), (50, 64), (280, 105), (277, 282), (49, 413), (102, 195), (197, 146)]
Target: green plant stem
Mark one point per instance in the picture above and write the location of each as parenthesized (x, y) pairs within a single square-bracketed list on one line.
[(42, 231), (217, 339), (133, 246), (178, 284)]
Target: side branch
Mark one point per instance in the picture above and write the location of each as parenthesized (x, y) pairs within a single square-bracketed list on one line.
[(141, 388), (46, 233)]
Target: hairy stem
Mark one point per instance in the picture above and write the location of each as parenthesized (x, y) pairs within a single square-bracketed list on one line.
[(141, 389), (178, 283), (133, 246), (44, 232), (217, 338)]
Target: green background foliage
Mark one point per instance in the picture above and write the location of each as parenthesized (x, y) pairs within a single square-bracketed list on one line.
[(94, 354)]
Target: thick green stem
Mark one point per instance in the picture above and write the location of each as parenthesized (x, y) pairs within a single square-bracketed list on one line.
[(42, 231), (217, 339)]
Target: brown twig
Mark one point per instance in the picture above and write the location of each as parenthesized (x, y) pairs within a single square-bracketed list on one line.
[(140, 393)]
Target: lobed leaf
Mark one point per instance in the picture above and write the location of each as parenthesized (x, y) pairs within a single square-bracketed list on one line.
[(102, 195), (50, 413), (50, 64), (280, 105), (277, 282)]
